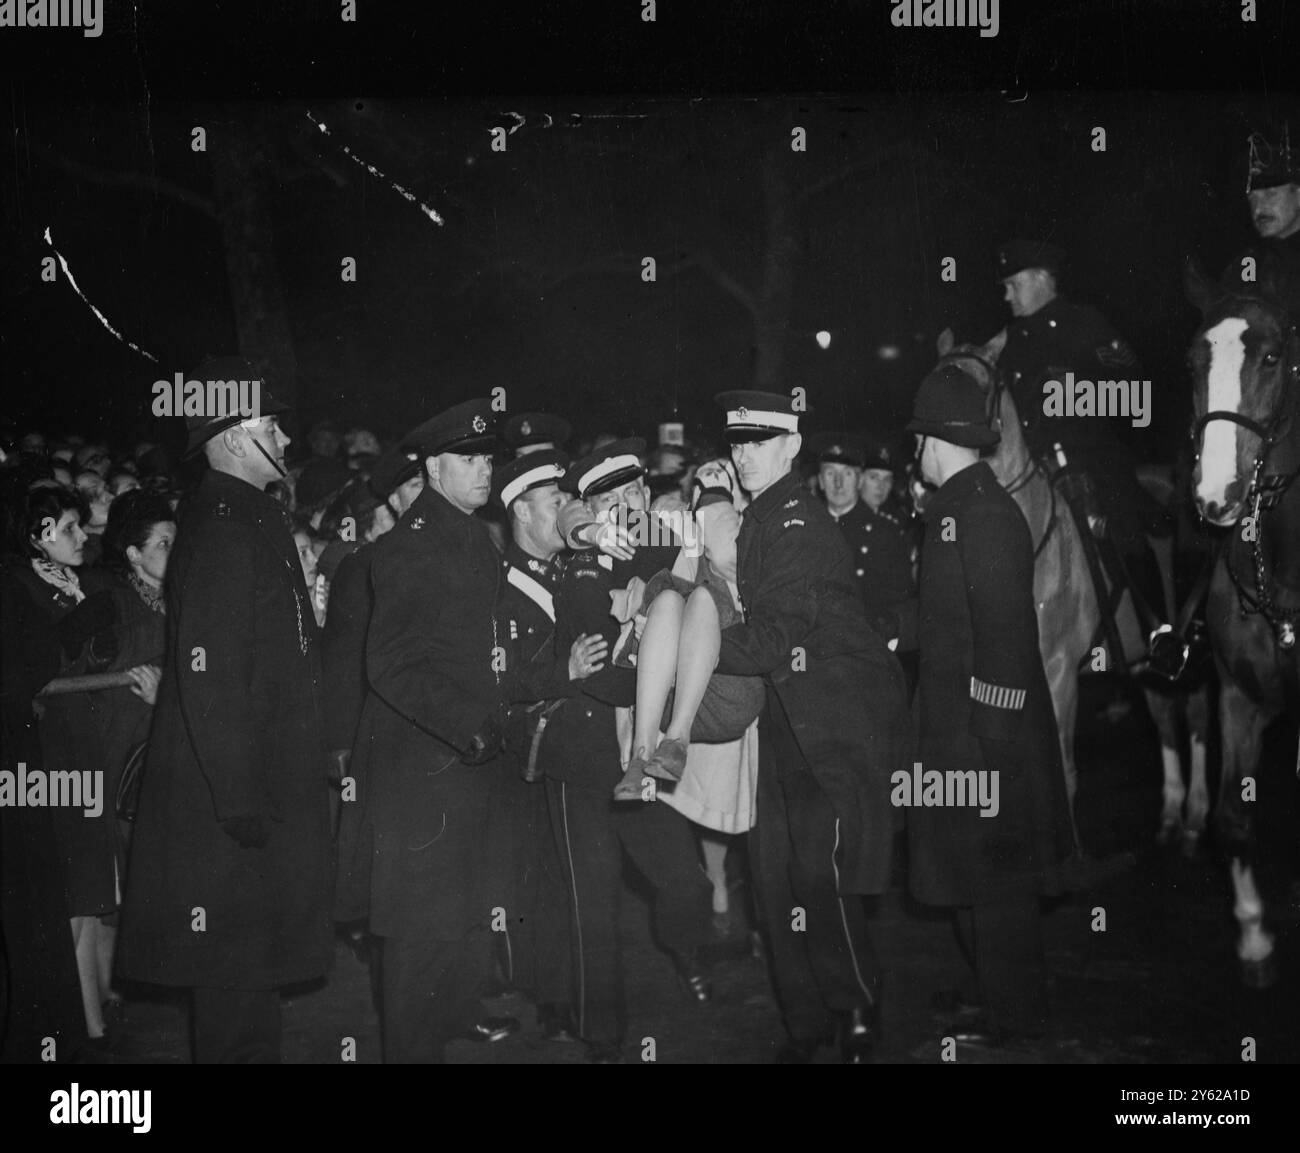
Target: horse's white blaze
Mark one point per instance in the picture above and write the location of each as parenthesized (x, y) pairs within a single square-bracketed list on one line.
[(1219, 444)]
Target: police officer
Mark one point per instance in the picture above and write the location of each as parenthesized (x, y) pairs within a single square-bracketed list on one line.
[(527, 880), (396, 479), (833, 731), (1047, 337), (593, 833), (233, 819), (1273, 191), (984, 708), (530, 432), (877, 540), (429, 730)]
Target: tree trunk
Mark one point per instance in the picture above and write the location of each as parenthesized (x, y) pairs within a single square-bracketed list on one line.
[(239, 190)]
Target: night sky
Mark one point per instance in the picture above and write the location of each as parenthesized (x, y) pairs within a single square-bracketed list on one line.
[(534, 281)]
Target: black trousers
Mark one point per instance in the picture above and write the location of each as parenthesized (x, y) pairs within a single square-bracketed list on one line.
[(236, 1026), (526, 882), (593, 833), (430, 993), (1003, 939), (822, 960)]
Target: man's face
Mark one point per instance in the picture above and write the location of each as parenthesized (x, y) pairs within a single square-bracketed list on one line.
[(840, 484), (1275, 212), (877, 483), (925, 453), (761, 463), (466, 481), (1029, 290), (539, 508), (634, 495), (267, 433), (405, 493)]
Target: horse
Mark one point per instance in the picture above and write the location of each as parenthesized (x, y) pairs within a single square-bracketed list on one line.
[(1245, 367), (1069, 613)]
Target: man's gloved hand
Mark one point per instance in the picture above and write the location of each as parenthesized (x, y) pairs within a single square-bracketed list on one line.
[(484, 744), (93, 618), (248, 830)]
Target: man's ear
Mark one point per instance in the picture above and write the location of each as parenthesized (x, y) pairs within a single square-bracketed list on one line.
[(234, 444), (793, 444), (430, 469)]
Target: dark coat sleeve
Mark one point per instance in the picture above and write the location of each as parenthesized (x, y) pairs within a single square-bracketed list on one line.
[(343, 650), (218, 611), (585, 609), (783, 608), (997, 559), (401, 649)]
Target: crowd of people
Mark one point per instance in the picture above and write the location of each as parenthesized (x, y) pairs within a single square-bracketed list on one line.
[(431, 696)]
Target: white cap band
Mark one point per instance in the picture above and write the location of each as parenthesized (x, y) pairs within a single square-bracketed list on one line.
[(534, 476), (606, 468), (787, 421)]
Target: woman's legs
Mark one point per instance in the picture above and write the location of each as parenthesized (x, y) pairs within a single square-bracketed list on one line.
[(105, 946), (697, 657), (656, 667), (714, 848), (84, 941)]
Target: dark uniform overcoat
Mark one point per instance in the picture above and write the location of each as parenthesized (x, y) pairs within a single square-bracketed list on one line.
[(881, 550), (434, 667), (843, 691), (236, 732), (983, 701)]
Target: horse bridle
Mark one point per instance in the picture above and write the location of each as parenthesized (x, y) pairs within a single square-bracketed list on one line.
[(1266, 489)]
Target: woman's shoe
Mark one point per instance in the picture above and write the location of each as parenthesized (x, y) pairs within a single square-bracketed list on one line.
[(629, 788), (669, 761)]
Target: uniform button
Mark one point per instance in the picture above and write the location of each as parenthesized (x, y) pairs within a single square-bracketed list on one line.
[(864, 548), (859, 572), (1015, 376), (1051, 324)]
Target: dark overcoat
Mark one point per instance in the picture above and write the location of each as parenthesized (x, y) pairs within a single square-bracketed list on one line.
[(881, 549), (70, 730), (434, 661), (343, 652), (983, 701), (805, 632), (237, 731)]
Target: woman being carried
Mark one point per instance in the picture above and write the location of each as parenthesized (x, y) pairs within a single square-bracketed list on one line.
[(675, 645)]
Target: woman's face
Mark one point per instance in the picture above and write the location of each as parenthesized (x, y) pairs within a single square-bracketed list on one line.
[(306, 556), (719, 526), (382, 523), (62, 541), (149, 561)]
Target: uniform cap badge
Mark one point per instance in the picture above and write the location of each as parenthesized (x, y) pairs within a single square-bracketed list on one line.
[(526, 428), (742, 412), (478, 424)]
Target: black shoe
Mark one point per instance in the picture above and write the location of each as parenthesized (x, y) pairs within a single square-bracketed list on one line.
[(954, 1001), (491, 1029), (798, 1051), (693, 979), (604, 1053), (982, 1033), (858, 1038), (556, 1023)]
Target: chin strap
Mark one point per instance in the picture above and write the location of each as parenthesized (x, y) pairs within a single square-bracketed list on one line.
[(270, 459)]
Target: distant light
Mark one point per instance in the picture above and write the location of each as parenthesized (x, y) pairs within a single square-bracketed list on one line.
[(824, 339), (889, 352)]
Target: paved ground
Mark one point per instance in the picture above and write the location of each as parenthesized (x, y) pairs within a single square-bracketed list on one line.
[(1159, 985)]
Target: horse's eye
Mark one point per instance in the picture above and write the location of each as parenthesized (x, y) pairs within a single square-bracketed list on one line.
[(1270, 359)]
